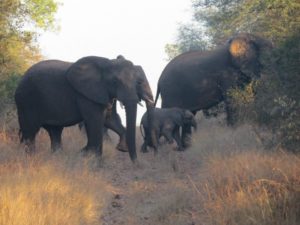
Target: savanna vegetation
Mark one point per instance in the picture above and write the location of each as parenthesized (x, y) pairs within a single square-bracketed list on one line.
[(246, 175), (274, 100), (20, 24)]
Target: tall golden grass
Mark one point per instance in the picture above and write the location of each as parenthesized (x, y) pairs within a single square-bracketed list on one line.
[(54, 189), (225, 178), (251, 188)]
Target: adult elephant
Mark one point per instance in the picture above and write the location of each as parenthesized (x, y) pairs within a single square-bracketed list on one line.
[(54, 94), (199, 80)]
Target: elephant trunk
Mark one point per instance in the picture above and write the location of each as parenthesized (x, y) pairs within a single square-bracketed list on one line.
[(150, 120), (131, 108)]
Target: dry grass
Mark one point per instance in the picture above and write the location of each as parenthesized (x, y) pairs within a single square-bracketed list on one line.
[(54, 189), (239, 183), (225, 178)]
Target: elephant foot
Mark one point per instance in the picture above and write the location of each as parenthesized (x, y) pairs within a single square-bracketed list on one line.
[(90, 150), (29, 147), (180, 149), (29, 151), (170, 142), (84, 151), (144, 148), (122, 148), (186, 144), (56, 148)]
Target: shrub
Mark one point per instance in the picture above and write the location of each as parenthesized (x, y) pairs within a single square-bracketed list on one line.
[(274, 100)]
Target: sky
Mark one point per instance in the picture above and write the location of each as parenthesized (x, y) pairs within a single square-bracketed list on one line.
[(136, 29)]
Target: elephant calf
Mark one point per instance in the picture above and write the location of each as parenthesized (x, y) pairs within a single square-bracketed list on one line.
[(166, 122)]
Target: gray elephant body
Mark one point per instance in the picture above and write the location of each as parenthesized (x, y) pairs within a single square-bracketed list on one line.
[(166, 123), (200, 80), (54, 94)]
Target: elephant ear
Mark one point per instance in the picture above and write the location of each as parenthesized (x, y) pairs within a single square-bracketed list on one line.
[(242, 49), (245, 50), (179, 117), (87, 76)]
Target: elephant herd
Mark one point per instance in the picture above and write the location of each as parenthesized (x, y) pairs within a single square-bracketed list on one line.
[(54, 94)]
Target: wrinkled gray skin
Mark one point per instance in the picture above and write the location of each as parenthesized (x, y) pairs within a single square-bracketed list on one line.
[(114, 123), (55, 94), (200, 80), (167, 123)]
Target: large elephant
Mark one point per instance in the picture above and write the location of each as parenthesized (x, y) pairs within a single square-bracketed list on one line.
[(54, 94), (166, 123), (199, 80)]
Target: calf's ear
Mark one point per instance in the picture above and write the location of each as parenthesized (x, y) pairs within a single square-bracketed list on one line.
[(179, 117)]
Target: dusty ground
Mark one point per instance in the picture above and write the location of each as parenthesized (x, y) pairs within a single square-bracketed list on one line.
[(162, 188), (196, 186)]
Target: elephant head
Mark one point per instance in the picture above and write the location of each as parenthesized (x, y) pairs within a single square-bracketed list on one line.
[(101, 80), (185, 117), (189, 118), (245, 50)]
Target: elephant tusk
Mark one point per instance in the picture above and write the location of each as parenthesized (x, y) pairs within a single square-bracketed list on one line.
[(151, 101), (122, 105), (140, 104)]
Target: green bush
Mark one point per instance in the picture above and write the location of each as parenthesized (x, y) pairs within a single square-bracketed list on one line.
[(274, 101), (7, 90)]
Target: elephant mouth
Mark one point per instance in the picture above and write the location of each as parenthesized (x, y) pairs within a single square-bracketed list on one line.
[(130, 102), (148, 101)]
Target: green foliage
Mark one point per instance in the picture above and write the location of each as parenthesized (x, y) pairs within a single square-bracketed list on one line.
[(273, 19), (190, 38), (277, 104), (274, 101), (20, 23), (7, 89), (42, 13)]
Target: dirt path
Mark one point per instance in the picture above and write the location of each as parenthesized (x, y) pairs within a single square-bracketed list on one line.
[(150, 191), (163, 188)]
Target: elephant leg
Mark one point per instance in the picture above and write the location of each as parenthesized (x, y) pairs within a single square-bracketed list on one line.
[(176, 135), (55, 136), (144, 147), (147, 140), (114, 123), (105, 134), (29, 141), (94, 116), (186, 136), (154, 139), (167, 133), (230, 112), (28, 130)]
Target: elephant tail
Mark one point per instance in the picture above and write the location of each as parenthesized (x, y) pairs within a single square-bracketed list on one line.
[(157, 95), (21, 137), (141, 129)]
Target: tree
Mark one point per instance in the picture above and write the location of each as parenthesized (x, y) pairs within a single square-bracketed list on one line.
[(273, 19), (20, 24), (190, 38)]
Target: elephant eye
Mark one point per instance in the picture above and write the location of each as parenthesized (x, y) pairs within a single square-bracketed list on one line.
[(139, 82)]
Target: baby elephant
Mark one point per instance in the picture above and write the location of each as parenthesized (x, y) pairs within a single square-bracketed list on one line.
[(167, 123)]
